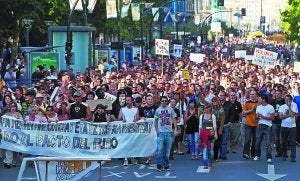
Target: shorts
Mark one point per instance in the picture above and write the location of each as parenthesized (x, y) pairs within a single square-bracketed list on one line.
[(179, 137)]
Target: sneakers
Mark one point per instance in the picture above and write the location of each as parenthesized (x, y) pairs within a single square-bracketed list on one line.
[(255, 158), (125, 163), (159, 168), (167, 168), (269, 160), (246, 156), (293, 159)]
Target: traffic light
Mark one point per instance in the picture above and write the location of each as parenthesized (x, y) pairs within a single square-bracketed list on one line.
[(243, 11), (220, 2), (68, 50)]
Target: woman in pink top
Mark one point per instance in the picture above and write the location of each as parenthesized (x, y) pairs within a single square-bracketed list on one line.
[(33, 116)]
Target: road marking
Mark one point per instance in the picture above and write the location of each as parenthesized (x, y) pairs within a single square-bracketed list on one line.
[(152, 167), (271, 174), (114, 174), (141, 175), (113, 167), (236, 162), (202, 170), (167, 175), (142, 167)]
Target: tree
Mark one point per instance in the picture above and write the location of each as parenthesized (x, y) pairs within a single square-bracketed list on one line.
[(291, 19)]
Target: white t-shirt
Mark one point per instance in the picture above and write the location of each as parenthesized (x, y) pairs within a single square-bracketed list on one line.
[(289, 122), (266, 110), (129, 114)]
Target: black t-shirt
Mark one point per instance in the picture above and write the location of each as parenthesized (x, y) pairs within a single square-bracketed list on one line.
[(99, 118), (228, 112), (78, 111), (276, 103), (236, 110), (148, 112)]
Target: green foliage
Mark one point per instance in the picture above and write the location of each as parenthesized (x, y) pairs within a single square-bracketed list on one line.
[(291, 19)]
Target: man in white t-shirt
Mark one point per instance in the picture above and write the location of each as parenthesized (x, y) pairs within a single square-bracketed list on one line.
[(130, 114), (265, 113), (287, 113)]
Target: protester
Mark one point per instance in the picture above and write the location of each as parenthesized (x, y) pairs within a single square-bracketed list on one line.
[(265, 114), (164, 117), (208, 133), (287, 113), (192, 129), (249, 110), (10, 159), (99, 115), (79, 110)]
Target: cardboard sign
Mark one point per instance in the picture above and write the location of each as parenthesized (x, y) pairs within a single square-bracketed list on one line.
[(94, 103), (296, 66), (161, 47), (264, 58)]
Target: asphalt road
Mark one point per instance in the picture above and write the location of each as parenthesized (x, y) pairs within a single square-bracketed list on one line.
[(183, 168)]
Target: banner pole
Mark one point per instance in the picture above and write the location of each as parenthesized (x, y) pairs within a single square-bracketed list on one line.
[(162, 65)]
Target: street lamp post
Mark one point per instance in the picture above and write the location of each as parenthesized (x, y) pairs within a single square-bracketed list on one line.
[(48, 23), (27, 23), (86, 5)]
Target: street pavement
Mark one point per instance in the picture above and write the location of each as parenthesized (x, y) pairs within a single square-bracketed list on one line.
[(236, 168)]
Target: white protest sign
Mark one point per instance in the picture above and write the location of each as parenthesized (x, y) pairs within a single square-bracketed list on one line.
[(161, 47), (249, 57), (264, 58), (215, 27), (197, 57), (240, 53), (79, 138), (177, 50)]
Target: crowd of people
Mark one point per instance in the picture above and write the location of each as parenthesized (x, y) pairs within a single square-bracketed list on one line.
[(225, 105)]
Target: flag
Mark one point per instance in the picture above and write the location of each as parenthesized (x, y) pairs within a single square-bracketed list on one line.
[(135, 11), (111, 9), (154, 10), (168, 18), (145, 13), (148, 5), (125, 8), (197, 19)]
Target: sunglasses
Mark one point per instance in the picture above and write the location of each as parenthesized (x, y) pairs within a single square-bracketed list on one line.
[(164, 101)]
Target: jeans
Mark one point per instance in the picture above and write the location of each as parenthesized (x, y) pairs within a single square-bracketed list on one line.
[(224, 141), (234, 137), (263, 130), (208, 155), (276, 137), (194, 143), (10, 157), (250, 139), (164, 144), (291, 133), (298, 129)]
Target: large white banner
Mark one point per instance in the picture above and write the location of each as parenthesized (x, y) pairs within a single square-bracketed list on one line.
[(79, 138), (264, 58), (161, 47)]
